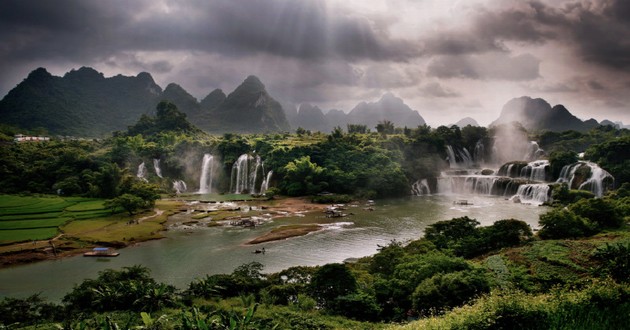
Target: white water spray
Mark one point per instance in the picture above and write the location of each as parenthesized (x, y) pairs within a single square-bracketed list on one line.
[(142, 172), (207, 171), (156, 166)]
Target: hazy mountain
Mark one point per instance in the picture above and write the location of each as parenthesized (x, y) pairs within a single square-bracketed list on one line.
[(185, 102), (291, 112), (82, 103), (249, 108), (465, 122), (537, 114), (336, 118), (85, 103), (311, 118), (212, 100), (389, 107)]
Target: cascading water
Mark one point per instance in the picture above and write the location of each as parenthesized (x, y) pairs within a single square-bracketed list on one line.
[(532, 193), (479, 153), (534, 151), (265, 183), (586, 176), (142, 172), (207, 171), (156, 166), (536, 170), (458, 158), (247, 175), (179, 186), (420, 188)]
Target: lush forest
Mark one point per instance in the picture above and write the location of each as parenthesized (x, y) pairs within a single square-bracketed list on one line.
[(571, 274), (347, 161), (503, 275)]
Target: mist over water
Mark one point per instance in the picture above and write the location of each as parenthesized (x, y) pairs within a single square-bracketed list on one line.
[(510, 144)]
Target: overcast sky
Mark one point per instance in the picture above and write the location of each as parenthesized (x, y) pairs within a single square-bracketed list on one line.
[(446, 59)]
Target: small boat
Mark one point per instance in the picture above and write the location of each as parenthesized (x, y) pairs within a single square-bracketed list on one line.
[(101, 252)]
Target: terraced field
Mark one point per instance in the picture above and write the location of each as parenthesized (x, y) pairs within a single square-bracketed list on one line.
[(24, 218)]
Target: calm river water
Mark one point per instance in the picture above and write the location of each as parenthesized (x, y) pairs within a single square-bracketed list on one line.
[(185, 255)]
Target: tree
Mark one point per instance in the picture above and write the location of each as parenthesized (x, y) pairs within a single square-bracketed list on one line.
[(127, 202), (303, 177), (330, 282), (385, 127), (562, 223), (357, 128), (601, 212), (442, 233), (443, 291)]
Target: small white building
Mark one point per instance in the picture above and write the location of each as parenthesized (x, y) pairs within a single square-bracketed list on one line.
[(24, 138)]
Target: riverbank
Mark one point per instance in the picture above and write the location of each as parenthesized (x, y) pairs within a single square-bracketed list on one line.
[(79, 236), (121, 230)]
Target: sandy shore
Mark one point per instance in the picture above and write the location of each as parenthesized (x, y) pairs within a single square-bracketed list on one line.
[(285, 232)]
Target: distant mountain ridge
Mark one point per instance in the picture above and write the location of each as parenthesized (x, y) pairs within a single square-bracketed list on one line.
[(537, 114), (85, 103), (389, 107)]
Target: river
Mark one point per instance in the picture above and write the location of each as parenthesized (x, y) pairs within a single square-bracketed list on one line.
[(188, 254)]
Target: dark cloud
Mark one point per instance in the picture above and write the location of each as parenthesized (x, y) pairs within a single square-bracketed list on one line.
[(595, 85), (86, 29), (487, 66)]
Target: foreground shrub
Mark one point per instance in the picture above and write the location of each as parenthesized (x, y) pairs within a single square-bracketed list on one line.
[(562, 223), (359, 306), (27, 311), (445, 291), (604, 305), (615, 261), (129, 289)]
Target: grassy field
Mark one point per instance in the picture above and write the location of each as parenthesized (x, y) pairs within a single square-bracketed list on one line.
[(26, 218)]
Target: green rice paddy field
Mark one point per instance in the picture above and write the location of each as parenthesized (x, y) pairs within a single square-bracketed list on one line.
[(24, 218)]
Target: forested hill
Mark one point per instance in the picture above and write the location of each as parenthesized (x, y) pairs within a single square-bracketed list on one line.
[(85, 103), (538, 115), (81, 103)]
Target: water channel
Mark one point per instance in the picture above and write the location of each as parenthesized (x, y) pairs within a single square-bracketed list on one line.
[(188, 254)]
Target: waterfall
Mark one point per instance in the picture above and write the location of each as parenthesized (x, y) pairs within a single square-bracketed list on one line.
[(480, 152), (265, 183), (535, 171), (458, 158), (532, 193), (156, 166), (247, 175), (586, 176), (142, 172), (207, 171), (533, 151), (179, 186), (420, 187)]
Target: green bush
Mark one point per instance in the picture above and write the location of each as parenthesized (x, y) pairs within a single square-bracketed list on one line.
[(128, 289), (445, 291), (359, 306), (562, 223), (27, 311), (601, 212), (615, 261), (331, 281)]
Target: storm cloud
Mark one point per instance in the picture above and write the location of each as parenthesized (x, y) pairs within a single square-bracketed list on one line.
[(334, 53)]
